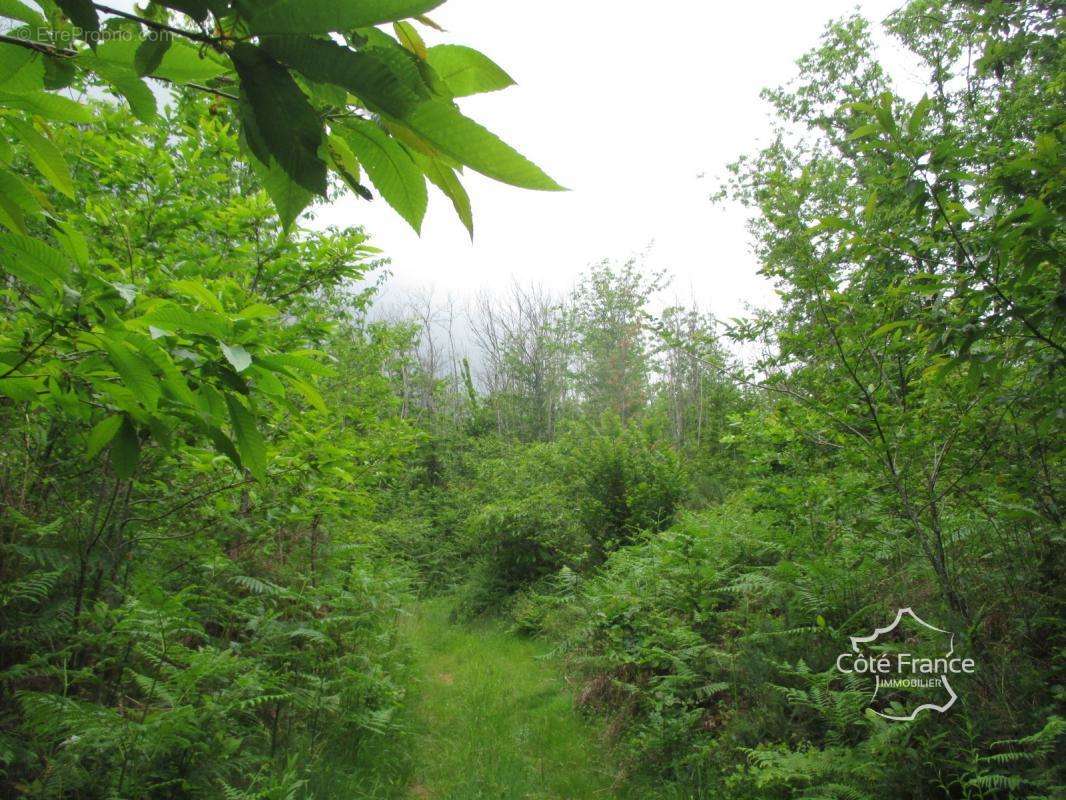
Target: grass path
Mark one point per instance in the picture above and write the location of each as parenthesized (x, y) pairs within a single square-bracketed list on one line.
[(494, 720)]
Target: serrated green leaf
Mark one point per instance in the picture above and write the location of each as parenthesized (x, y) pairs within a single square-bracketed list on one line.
[(288, 197), (210, 402), (344, 163), (135, 372), (11, 216), (288, 362), (32, 260), (445, 179), (12, 186), (864, 131), (429, 23), (173, 317), (16, 202), (45, 156), (365, 74), (891, 326), (883, 112), (21, 70), (441, 124), (257, 311), (72, 242), (13, 9), (266, 381), (466, 71), (50, 106), (415, 75), (137, 93), (124, 81), (250, 442), (224, 445), (237, 356), (918, 116), (197, 291), (125, 450), (186, 63), (127, 291), (175, 386), (310, 394), (101, 434), (410, 39), (391, 169), (325, 16), (81, 13), (21, 390), (282, 120), (181, 61), (59, 73), (150, 54)]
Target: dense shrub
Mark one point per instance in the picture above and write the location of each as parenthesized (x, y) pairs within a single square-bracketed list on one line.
[(170, 626), (524, 539), (543, 507), (711, 648), (623, 484), (520, 524)]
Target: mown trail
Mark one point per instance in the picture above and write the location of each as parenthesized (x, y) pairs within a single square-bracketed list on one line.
[(493, 719)]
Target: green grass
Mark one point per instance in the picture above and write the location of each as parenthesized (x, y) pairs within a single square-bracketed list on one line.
[(495, 720), (490, 718)]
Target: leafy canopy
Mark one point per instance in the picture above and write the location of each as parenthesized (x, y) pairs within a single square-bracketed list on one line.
[(315, 89), (307, 79)]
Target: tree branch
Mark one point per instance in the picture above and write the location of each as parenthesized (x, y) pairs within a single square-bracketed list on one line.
[(40, 47), (196, 36)]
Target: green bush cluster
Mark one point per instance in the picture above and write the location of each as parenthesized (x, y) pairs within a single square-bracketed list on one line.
[(626, 484), (564, 505), (711, 648), (897, 444), (169, 625), (221, 484)]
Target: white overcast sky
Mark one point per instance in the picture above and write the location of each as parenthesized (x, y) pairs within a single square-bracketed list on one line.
[(627, 104)]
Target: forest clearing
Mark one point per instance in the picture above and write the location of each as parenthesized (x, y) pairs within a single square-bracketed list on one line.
[(279, 520)]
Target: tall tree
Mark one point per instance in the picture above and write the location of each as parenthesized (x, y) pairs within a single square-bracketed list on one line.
[(609, 321), (522, 340), (918, 247)]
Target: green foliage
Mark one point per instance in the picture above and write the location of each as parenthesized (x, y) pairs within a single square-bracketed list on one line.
[(221, 484), (272, 93), (625, 485), (197, 420), (465, 71), (185, 607), (289, 16), (391, 167), (897, 444), (904, 446), (520, 514), (609, 319), (292, 88), (527, 537), (711, 649)]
